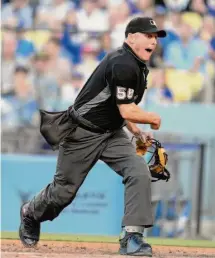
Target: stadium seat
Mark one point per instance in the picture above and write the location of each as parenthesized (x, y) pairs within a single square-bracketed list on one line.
[(183, 84)]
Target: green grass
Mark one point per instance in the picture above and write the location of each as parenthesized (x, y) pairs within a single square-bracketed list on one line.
[(109, 239)]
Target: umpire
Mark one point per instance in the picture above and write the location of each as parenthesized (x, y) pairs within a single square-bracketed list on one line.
[(92, 129)]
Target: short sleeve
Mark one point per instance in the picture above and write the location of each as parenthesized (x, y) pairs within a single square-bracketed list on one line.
[(123, 81)]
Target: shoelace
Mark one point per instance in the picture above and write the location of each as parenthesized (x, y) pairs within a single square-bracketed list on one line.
[(138, 238), (31, 226)]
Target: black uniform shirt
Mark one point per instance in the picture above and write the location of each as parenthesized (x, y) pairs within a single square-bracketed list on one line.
[(120, 78)]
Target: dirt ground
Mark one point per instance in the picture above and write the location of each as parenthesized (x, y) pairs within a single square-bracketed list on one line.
[(61, 249)]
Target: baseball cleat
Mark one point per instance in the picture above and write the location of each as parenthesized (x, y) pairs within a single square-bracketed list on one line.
[(133, 244), (29, 230)]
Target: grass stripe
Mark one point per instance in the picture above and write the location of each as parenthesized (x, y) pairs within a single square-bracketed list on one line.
[(114, 239)]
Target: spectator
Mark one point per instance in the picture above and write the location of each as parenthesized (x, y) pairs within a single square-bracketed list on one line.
[(212, 56), (105, 46), (156, 60), (212, 49), (18, 13), (70, 40), (22, 86), (119, 14), (176, 5), (81, 33), (92, 19), (112, 3), (207, 30), (70, 43), (56, 29), (46, 87), (210, 4), (159, 93), (202, 7), (13, 52), (173, 22), (103, 4), (25, 48), (59, 66), (55, 11), (119, 17), (8, 63), (22, 102), (89, 53), (188, 53), (8, 117), (160, 18), (77, 3), (70, 90), (199, 6), (72, 21), (145, 7)]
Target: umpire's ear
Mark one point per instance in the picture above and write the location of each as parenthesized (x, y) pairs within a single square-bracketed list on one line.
[(131, 38)]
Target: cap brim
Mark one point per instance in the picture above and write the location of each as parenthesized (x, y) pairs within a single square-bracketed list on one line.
[(160, 33)]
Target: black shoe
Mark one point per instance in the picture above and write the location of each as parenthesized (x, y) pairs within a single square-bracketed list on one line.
[(29, 230), (133, 244)]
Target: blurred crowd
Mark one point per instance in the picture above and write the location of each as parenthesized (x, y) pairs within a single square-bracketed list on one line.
[(50, 48)]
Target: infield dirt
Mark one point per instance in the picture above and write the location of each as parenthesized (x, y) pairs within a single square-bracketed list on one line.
[(65, 249)]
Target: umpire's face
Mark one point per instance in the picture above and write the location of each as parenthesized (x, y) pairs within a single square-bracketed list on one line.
[(143, 44)]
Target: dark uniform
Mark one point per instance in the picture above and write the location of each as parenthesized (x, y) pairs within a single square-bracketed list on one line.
[(90, 130), (96, 132)]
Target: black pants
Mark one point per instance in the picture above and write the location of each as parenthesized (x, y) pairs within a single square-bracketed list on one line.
[(77, 155)]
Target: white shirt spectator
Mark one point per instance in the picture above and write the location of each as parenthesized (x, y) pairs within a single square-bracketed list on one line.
[(68, 93), (21, 17), (177, 5), (119, 18), (57, 12), (115, 2), (96, 21), (118, 35)]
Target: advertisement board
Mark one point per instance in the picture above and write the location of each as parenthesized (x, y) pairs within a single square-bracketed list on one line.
[(97, 209)]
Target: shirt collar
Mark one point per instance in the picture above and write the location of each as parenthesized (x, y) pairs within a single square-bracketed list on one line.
[(139, 61)]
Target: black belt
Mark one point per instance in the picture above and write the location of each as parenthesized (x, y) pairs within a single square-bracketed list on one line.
[(85, 124)]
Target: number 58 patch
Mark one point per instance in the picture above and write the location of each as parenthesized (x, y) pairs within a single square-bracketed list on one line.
[(124, 93)]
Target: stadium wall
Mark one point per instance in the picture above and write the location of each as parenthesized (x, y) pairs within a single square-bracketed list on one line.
[(100, 200)]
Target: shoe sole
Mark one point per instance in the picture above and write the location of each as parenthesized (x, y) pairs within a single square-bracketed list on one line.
[(123, 251), (20, 232)]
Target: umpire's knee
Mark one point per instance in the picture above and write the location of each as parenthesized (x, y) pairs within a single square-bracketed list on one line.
[(137, 171), (63, 192)]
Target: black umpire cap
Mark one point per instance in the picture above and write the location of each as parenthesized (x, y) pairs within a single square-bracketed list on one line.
[(144, 25)]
